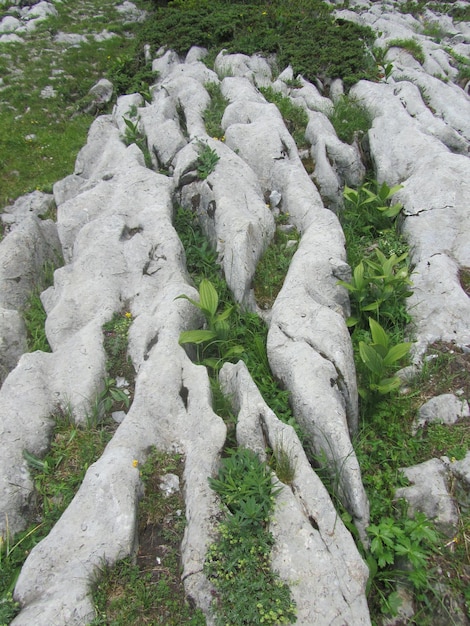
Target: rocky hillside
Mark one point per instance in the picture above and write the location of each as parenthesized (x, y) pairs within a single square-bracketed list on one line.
[(123, 269)]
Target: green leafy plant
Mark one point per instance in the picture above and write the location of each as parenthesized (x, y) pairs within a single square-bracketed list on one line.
[(379, 286), (374, 203), (400, 546), (206, 161), (380, 358), (133, 134), (217, 333), (238, 564)]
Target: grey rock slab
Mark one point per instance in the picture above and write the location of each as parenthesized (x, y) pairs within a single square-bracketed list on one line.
[(103, 152), (313, 552), (161, 126), (72, 39), (11, 38), (257, 132), (255, 68), (232, 211), (336, 163), (100, 94), (444, 409), (461, 470), (69, 187), (165, 63), (12, 340), (130, 12), (310, 97), (100, 524), (411, 98), (309, 350), (192, 98), (9, 24), (429, 494), (436, 222), (23, 254), (39, 386), (36, 203), (448, 101)]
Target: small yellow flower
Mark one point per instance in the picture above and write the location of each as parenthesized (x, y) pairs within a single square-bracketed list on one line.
[(135, 463), (453, 459), (128, 315)]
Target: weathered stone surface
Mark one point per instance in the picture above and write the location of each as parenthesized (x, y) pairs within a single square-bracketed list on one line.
[(254, 68), (311, 542), (444, 409), (336, 163), (99, 95), (310, 352), (36, 203), (12, 340), (232, 212), (429, 494), (23, 254), (435, 209)]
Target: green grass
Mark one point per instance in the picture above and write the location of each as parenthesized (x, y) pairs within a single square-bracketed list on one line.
[(349, 118), (34, 314), (272, 267), (410, 45), (58, 124), (149, 590), (57, 478)]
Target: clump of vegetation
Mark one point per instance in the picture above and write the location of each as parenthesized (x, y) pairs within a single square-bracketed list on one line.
[(349, 118), (34, 314), (150, 589), (273, 265), (238, 564), (410, 45), (301, 33), (206, 161), (57, 478), (214, 112), (295, 117)]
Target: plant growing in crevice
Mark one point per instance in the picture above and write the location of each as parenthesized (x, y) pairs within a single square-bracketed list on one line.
[(149, 589), (349, 118), (238, 563), (57, 477), (273, 265), (34, 314), (381, 358), (214, 112), (134, 134), (410, 45), (206, 161), (400, 549), (372, 207), (294, 116), (379, 286), (216, 344)]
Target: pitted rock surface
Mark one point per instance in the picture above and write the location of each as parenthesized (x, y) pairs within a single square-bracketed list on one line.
[(115, 232)]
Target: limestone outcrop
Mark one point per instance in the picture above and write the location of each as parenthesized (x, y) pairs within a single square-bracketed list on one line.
[(115, 234)]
